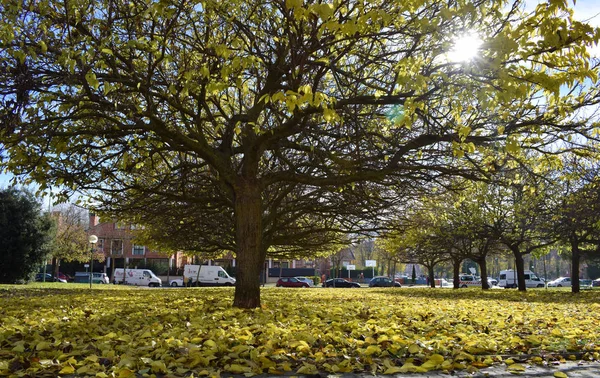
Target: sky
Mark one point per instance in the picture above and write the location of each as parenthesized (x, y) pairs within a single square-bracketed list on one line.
[(585, 10)]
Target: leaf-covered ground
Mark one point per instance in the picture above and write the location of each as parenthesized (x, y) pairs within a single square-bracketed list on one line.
[(55, 330)]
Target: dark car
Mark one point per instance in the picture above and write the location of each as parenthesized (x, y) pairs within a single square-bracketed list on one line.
[(382, 281), (340, 282), (39, 277), (290, 282)]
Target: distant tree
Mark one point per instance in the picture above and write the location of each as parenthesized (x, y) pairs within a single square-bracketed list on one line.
[(365, 251), (576, 219), (467, 228), (70, 241), (517, 211), (25, 235)]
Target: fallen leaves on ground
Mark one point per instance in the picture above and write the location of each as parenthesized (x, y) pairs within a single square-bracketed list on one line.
[(165, 332)]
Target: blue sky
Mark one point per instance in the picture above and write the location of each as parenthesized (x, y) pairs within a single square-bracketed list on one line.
[(4, 180)]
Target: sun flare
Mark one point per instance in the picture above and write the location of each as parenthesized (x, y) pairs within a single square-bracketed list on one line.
[(465, 48)]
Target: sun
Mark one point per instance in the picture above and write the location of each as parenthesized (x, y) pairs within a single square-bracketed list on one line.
[(466, 47)]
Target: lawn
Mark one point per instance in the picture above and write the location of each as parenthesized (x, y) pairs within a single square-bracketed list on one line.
[(64, 329)]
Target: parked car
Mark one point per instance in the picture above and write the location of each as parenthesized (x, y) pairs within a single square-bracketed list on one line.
[(402, 279), (560, 282), (340, 282), (309, 281), (508, 279), (382, 281), (176, 282), (585, 284), (492, 281), (291, 282), (39, 277), (98, 278), (469, 280), (444, 283), (596, 282), (65, 277)]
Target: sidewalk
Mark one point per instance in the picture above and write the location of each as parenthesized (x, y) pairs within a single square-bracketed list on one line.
[(571, 369)]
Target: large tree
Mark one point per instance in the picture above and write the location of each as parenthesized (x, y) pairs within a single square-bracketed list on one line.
[(229, 101), (25, 235)]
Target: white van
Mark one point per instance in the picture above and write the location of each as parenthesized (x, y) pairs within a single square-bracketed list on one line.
[(206, 275), (508, 278), (137, 277)]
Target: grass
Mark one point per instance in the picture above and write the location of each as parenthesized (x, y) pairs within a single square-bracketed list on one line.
[(120, 331)]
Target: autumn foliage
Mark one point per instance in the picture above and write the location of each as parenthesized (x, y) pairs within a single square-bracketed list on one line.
[(122, 333)]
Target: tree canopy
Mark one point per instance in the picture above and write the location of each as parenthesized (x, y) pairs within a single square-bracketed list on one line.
[(228, 103), (70, 240)]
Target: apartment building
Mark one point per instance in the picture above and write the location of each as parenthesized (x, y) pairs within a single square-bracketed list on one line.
[(116, 242)]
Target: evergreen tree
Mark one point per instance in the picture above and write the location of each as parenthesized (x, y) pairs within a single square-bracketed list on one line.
[(25, 234)]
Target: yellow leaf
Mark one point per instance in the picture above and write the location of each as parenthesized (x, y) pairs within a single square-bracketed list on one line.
[(44, 345), (159, 367), (516, 367), (429, 365), (238, 369), (393, 370), (83, 370), (67, 370), (126, 373), (560, 374), (437, 358), (307, 369), (414, 349)]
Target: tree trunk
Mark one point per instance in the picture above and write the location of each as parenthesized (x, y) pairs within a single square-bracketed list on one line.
[(431, 276), (575, 257), (484, 277), (55, 267), (456, 273), (250, 252), (520, 268)]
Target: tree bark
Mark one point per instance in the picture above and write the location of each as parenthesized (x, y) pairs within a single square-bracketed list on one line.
[(250, 252), (484, 276), (456, 273), (520, 268), (431, 276), (575, 258), (55, 267)]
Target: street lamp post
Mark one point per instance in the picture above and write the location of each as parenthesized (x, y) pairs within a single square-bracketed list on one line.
[(93, 239)]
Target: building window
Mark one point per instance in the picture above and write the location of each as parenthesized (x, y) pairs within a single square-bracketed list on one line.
[(116, 247), (138, 250), (100, 245)]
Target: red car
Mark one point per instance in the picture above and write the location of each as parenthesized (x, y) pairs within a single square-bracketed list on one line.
[(290, 282)]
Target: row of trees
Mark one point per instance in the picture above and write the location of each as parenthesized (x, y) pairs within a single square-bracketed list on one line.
[(521, 212), (30, 236), (269, 127)]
